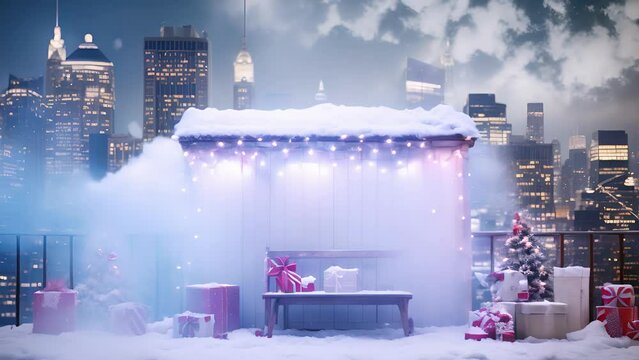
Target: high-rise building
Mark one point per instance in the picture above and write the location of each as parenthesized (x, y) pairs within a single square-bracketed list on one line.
[(489, 117), (244, 80), (176, 77), (320, 95), (447, 61), (424, 84), (612, 191), (82, 104), (556, 167), (56, 55), (121, 149), (98, 155), (535, 122), (532, 167), (574, 174)]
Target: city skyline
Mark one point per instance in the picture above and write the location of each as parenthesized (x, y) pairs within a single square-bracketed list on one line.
[(340, 54)]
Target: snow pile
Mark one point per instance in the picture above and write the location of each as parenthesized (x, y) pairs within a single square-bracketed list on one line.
[(428, 343), (327, 120)]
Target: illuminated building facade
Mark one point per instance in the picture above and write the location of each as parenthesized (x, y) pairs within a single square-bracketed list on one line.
[(175, 78), (490, 118), (532, 167), (320, 95), (81, 105), (574, 172), (121, 149), (243, 76), (535, 122), (424, 84), (611, 191)]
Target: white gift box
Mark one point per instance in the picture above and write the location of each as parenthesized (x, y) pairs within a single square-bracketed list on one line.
[(572, 286), (508, 289), (338, 279), (541, 320), (190, 324)]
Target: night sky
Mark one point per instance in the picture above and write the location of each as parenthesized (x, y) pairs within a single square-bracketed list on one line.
[(578, 57)]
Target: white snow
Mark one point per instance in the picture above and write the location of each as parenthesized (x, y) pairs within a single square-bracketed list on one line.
[(427, 343), (571, 271), (327, 120)]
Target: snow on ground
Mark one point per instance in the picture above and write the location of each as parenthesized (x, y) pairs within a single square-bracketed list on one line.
[(428, 343), (327, 120)]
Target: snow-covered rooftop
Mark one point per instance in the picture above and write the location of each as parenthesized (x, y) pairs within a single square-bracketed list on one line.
[(327, 120)]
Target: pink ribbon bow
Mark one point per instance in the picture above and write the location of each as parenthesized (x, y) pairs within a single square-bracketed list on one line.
[(285, 276), (620, 296)]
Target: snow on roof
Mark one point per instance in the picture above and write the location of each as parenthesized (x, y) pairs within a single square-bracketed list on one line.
[(327, 120)]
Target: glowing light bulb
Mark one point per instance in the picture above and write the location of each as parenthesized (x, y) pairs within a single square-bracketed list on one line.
[(274, 143), (359, 148), (460, 197), (211, 154), (375, 151), (259, 139), (196, 236), (240, 142), (400, 163), (343, 137), (310, 152), (463, 218), (352, 157), (409, 144), (389, 141), (178, 267), (361, 136), (285, 151), (307, 138), (394, 152), (262, 163), (186, 153), (422, 145), (433, 211), (460, 174), (333, 148), (220, 144)]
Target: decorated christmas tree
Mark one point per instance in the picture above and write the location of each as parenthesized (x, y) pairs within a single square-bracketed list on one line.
[(526, 256)]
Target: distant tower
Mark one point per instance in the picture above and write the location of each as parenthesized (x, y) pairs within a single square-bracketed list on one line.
[(447, 62), (320, 95), (535, 122), (176, 77), (244, 81), (56, 54)]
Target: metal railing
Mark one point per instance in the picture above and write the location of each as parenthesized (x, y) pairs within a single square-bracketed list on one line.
[(624, 272)]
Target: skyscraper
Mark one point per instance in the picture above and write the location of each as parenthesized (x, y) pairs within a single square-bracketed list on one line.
[(424, 85), (532, 167), (574, 173), (489, 117), (176, 77), (535, 122), (611, 192), (121, 149), (81, 105), (320, 95), (244, 81), (56, 55), (448, 63)]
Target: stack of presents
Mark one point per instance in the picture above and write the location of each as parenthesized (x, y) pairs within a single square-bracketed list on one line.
[(511, 316), (336, 279), (212, 310)]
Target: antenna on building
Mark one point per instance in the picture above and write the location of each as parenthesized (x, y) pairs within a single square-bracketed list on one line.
[(56, 13), (244, 31)]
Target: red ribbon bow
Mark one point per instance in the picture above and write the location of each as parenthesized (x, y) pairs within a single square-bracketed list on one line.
[(285, 276), (633, 329), (488, 319), (621, 296)]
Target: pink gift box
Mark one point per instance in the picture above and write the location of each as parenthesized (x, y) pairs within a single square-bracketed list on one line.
[(221, 300), (616, 319), (128, 318), (633, 330), (54, 311), (618, 295)]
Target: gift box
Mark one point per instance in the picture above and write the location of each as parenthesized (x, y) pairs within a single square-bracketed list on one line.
[(633, 330), (338, 279), (128, 318), (286, 278), (541, 320), (189, 324), (523, 294), (54, 309), (618, 295), (221, 300), (475, 333), (572, 287), (616, 319), (506, 285), (495, 324), (308, 284)]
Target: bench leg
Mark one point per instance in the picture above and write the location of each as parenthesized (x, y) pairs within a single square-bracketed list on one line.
[(403, 312), (272, 316)]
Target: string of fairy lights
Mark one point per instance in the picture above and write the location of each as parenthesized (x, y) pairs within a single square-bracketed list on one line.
[(211, 156)]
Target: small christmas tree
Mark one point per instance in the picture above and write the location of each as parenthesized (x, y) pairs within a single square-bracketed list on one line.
[(526, 256)]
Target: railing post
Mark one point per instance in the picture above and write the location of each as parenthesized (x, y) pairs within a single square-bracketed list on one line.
[(561, 250), (492, 253), (44, 261), (71, 262), (591, 263), (18, 280), (621, 258)]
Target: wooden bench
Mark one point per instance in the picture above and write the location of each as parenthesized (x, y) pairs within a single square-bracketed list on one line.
[(273, 300)]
